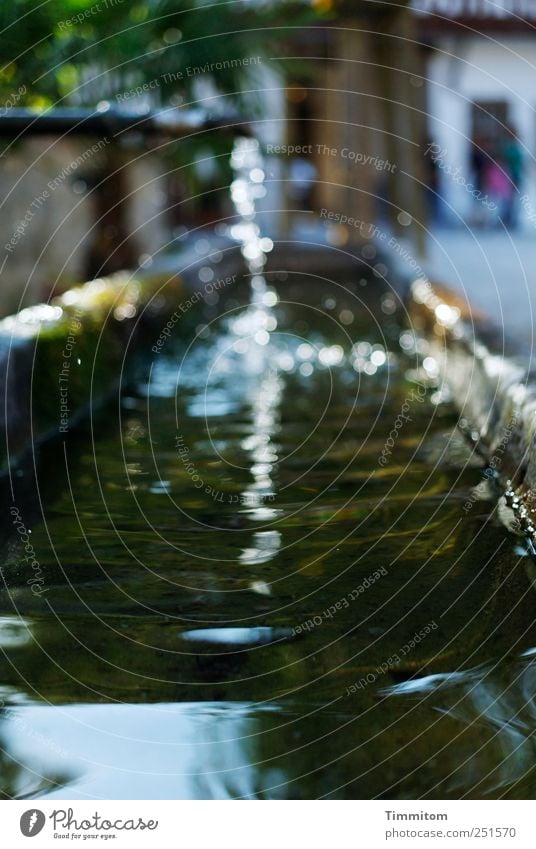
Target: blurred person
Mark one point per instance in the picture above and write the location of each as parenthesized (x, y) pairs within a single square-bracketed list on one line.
[(498, 187), (431, 177), (302, 175), (513, 162), (480, 148)]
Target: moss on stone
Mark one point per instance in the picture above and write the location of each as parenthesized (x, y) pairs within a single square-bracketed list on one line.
[(75, 350)]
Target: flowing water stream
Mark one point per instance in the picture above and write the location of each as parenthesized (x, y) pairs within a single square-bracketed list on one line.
[(259, 576)]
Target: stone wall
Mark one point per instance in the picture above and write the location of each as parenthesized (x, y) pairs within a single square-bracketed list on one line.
[(52, 196)]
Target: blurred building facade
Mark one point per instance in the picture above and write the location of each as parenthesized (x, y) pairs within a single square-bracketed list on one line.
[(358, 113), (479, 62), (72, 209), (345, 139)]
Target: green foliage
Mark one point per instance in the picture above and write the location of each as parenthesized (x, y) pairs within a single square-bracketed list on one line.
[(67, 52), (26, 42)]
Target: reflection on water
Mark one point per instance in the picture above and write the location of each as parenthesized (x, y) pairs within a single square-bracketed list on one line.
[(499, 701), (238, 571), (14, 631), (464, 735), (228, 633), (162, 751), (237, 637)]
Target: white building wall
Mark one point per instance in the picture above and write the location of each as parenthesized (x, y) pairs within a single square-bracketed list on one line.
[(481, 68)]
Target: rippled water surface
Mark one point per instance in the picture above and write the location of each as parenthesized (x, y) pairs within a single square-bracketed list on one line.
[(259, 578)]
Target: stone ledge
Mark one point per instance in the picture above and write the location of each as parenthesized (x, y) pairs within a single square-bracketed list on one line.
[(495, 393), (58, 360)]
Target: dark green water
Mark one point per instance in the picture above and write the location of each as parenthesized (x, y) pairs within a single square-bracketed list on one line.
[(239, 597)]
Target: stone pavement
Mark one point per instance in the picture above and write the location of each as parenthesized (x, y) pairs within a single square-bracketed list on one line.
[(495, 271)]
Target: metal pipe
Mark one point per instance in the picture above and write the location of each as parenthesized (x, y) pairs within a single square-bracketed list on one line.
[(112, 122)]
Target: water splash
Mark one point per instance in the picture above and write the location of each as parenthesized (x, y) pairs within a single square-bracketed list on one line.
[(253, 329), (257, 322)]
